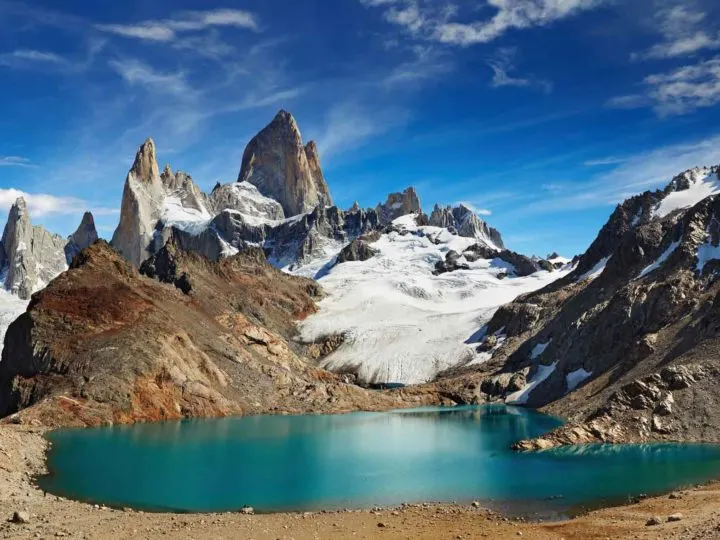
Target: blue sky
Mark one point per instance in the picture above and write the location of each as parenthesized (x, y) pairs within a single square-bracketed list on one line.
[(543, 114)]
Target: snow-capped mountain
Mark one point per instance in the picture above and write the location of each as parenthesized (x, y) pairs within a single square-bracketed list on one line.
[(414, 290)]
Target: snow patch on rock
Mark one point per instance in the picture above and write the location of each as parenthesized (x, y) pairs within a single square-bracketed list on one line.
[(521, 396), (576, 378)]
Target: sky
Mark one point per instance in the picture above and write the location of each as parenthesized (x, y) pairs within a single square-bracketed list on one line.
[(541, 114)]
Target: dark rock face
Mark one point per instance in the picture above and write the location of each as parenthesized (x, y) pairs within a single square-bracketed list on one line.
[(523, 266), (398, 204), (634, 348), (282, 168), (450, 264), (357, 250), (85, 236)]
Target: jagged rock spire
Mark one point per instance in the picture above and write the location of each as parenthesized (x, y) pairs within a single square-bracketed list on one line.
[(85, 236), (281, 167), (142, 201)]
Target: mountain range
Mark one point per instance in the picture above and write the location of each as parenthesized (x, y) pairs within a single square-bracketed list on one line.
[(263, 296)]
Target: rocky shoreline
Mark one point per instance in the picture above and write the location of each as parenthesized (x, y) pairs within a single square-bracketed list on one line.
[(27, 512)]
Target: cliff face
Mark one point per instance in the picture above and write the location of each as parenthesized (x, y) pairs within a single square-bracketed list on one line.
[(142, 203), (30, 255), (282, 168), (104, 343)]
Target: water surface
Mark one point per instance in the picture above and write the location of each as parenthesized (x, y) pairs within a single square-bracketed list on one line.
[(278, 463)]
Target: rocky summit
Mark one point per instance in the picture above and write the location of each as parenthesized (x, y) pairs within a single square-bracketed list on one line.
[(282, 168), (142, 201), (30, 256)]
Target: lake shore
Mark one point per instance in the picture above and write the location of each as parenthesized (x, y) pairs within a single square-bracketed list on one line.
[(22, 457)]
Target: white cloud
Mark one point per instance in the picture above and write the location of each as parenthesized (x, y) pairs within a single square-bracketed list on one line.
[(511, 14), (685, 32), (191, 21), (136, 72), (502, 64), (43, 204), (679, 91)]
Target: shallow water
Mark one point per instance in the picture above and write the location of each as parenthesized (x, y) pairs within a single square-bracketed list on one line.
[(278, 463)]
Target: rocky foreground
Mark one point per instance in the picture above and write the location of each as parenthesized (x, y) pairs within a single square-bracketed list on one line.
[(26, 512), (104, 343)]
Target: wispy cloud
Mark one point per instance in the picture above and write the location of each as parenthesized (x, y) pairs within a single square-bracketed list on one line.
[(639, 172), (601, 162), (350, 125), (511, 14), (677, 92), (428, 63), (439, 22), (135, 72), (15, 161), (502, 64), (684, 31), (191, 21), (29, 58)]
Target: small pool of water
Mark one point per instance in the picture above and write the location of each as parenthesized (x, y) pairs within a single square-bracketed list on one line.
[(300, 463)]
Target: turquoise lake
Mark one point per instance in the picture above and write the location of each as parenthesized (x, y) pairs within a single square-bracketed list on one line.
[(299, 463)]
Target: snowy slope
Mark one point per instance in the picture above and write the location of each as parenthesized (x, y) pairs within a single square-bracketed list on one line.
[(703, 182), (403, 324)]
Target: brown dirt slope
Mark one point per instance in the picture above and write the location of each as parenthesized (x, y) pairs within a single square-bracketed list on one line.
[(103, 343)]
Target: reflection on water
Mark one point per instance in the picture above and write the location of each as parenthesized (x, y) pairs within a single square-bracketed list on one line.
[(358, 460)]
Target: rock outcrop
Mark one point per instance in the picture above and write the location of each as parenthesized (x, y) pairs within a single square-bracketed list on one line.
[(626, 345), (104, 344), (282, 168), (357, 250), (85, 236), (245, 198), (398, 204), (142, 203), (466, 222), (30, 256), (186, 194)]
